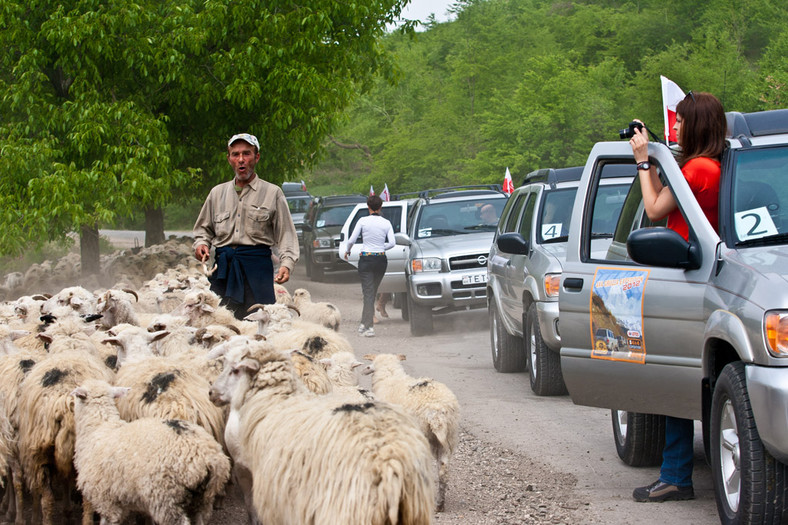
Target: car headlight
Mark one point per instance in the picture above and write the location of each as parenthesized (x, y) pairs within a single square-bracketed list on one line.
[(322, 243), (776, 326), (552, 282), (426, 264)]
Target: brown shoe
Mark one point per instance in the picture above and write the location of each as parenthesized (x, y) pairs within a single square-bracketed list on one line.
[(659, 491)]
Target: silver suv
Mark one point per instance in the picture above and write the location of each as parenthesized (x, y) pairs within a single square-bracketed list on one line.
[(706, 320), (450, 231), (524, 270)]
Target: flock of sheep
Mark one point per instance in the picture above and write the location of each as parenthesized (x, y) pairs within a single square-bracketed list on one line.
[(147, 402)]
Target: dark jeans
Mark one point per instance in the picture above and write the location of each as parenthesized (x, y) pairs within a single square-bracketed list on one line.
[(677, 457), (370, 269)]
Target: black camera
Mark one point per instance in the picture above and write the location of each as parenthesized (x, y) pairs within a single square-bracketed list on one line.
[(629, 132)]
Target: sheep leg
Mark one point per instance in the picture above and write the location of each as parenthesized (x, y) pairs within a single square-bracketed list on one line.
[(443, 478), (47, 504), (87, 512), (17, 507)]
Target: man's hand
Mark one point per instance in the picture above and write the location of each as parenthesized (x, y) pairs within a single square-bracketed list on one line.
[(202, 252), (282, 276)]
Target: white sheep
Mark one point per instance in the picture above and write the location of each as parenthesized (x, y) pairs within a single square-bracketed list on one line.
[(202, 308), (322, 313), (171, 469), (340, 372), (282, 295), (311, 373), (168, 388), (318, 459), (432, 403), (46, 423)]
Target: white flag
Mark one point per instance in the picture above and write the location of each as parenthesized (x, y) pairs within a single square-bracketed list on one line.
[(371, 191), (671, 96), (508, 185), (385, 193)]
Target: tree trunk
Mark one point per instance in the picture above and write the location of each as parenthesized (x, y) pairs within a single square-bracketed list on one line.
[(89, 249), (154, 226)]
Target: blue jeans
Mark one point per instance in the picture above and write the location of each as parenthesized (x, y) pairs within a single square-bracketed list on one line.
[(371, 269), (677, 457)]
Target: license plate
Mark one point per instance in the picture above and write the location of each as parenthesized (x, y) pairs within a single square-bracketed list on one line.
[(480, 278)]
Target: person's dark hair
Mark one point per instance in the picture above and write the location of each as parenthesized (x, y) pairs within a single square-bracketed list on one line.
[(374, 202), (703, 127)]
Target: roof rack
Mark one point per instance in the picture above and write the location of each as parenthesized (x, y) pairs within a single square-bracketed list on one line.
[(453, 191), (406, 195), (553, 176), (757, 124)]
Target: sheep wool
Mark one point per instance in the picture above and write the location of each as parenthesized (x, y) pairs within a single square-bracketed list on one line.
[(331, 461), (170, 469)]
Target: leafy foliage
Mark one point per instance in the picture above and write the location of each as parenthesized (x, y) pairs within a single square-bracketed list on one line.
[(528, 84)]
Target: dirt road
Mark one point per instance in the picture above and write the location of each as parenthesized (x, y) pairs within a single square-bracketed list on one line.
[(522, 458)]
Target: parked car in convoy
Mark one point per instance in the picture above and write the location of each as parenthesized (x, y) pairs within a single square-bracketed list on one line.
[(324, 220), (524, 269), (706, 320), (396, 212), (449, 241), (298, 200)]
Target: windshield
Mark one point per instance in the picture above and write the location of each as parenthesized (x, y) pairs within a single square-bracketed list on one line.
[(759, 188), (333, 216), (438, 219), (298, 204)]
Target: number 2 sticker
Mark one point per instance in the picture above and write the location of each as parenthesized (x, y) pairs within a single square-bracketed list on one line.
[(755, 223)]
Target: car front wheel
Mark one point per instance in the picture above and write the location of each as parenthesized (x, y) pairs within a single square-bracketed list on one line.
[(507, 350), (749, 483), (544, 365), (639, 438), (420, 318)]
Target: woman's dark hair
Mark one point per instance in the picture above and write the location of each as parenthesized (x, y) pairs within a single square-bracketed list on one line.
[(703, 127), (374, 202)]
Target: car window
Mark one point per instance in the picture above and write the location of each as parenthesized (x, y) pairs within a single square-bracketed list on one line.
[(511, 213), (333, 216), (528, 217), (758, 191), (555, 214), (438, 219), (298, 204)]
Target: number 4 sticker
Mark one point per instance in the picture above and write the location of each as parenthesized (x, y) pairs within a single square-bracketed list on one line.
[(755, 223), (550, 231)]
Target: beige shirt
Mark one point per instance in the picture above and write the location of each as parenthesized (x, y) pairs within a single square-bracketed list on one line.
[(258, 216)]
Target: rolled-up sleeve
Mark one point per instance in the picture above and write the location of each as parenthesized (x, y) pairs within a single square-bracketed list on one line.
[(203, 227), (285, 233)]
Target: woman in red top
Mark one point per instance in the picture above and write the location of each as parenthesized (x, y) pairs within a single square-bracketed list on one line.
[(700, 129)]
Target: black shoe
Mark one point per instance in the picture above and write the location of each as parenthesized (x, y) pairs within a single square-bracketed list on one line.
[(659, 491)]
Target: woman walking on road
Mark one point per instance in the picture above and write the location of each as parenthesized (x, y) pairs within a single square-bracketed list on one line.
[(378, 236)]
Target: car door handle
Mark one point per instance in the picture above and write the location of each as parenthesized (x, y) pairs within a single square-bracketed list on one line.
[(574, 284)]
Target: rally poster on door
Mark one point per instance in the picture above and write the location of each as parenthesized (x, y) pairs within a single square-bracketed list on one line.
[(617, 315)]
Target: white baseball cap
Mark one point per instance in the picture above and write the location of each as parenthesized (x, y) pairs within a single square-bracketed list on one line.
[(251, 139)]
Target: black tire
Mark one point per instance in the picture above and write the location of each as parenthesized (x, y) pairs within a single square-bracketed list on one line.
[(749, 484), (317, 274), (639, 438), (508, 352), (401, 302), (544, 365), (420, 318)]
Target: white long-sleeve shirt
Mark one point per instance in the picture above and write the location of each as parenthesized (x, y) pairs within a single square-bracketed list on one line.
[(377, 232)]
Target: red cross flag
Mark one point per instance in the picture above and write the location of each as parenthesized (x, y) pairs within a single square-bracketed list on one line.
[(671, 96), (385, 195), (508, 185)]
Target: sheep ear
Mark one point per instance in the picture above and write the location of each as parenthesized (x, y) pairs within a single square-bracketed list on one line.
[(356, 364), (17, 334), (155, 336), (249, 364), (112, 341), (401, 357), (119, 391), (325, 362), (79, 392), (260, 337), (46, 338), (207, 308), (369, 357), (217, 351)]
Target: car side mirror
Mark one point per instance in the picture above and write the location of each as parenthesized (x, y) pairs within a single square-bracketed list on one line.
[(341, 236), (513, 243), (401, 239), (659, 246)]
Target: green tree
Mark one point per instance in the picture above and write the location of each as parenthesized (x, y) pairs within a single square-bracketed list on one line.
[(114, 108)]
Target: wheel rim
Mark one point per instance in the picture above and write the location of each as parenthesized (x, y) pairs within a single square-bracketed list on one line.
[(532, 352), (730, 455), (621, 428)]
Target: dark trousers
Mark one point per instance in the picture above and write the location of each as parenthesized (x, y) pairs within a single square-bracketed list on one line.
[(370, 269)]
